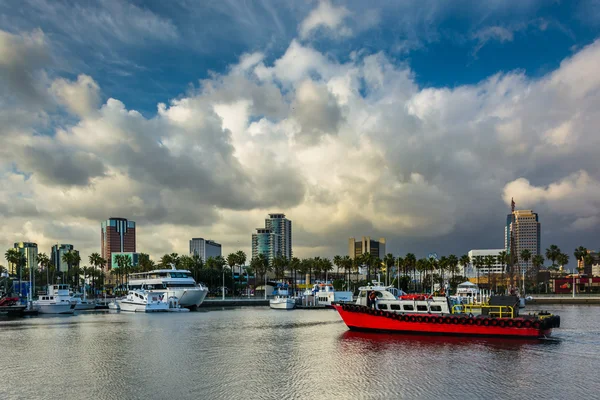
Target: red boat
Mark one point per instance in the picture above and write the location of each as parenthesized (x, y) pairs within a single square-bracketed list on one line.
[(422, 314)]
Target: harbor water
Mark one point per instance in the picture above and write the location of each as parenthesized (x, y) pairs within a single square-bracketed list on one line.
[(258, 353)]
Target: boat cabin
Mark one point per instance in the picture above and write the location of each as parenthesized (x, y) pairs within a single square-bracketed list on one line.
[(416, 303)]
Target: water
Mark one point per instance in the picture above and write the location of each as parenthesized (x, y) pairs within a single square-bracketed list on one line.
[(258, 353)]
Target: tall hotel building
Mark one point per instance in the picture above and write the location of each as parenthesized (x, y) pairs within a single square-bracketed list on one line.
[(117, 236), (275, 239), (522, 232), (205, 248), (374, 247)]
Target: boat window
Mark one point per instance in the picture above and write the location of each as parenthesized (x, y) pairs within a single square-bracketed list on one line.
[(436, 308), (408, 307), (379, 295), (421, 308), (362, 294), (395, 306), (383, 306)]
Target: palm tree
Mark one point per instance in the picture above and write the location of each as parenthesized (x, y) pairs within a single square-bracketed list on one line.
[(478, 262), (489, 262), (389, 260), (465, 261), (537, 261), (410, 263), (580, 253), (43, 261), (279, 263), (525, 256), (303, 269), (232, 260), (552, 253), (145, 263), (337, 261), (72, 259), (453, 264), (501, 259), (97, 262), (294, 266), (367, 259), (18, 259), (197, 265), (422, 265)]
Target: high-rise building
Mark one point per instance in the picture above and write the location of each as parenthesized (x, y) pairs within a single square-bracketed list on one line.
[(30, 250), (56, 256), (522, 231), (275, 239), (281, 226), (117, 236), (205, 248), (367, 245)]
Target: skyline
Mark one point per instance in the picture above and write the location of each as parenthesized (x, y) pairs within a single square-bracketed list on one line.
[(353, 121)]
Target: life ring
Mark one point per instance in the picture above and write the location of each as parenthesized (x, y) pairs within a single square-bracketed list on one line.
[(419, 318), (426, 319), (527, 324), (494, 322), (462, 321), (454, 320), (470, 321), (536, 324), (446, 320), (510, 323), (478, 322), (486, 322), (412, 318), (501, 323), (519, 324)]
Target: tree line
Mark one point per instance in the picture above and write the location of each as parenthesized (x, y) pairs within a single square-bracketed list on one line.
[(400, 269)]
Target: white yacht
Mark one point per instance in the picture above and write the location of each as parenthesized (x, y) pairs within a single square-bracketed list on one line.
[(56, 301), (82, 303), (282, 300), (142, 301), (326, 295), (173, 283)]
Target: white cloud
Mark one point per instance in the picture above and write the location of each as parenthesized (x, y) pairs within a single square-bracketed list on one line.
[(326, 16), (81, 97), (385, 157)]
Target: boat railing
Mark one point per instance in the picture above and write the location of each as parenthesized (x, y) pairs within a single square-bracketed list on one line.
[(494, 311)]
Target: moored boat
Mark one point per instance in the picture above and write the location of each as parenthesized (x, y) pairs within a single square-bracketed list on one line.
[(172, 283), (424, 314), (142, 301), (56, 301), (82, 303), (282, 299)]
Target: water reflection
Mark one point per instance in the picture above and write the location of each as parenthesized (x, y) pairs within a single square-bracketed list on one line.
[(261, 354)]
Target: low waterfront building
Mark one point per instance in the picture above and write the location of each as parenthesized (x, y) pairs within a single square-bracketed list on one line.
[(470, 271)]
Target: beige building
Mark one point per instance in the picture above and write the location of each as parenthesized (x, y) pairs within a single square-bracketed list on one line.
[(522, 232), (367, 245)]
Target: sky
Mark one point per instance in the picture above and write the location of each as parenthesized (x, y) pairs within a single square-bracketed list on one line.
[(416, 121)]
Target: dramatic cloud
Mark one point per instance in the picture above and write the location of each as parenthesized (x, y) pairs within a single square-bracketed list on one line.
[(346, 144)]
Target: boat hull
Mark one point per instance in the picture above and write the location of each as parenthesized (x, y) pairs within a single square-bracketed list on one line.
[(189, 298), (363, 319), (282, 305), (134, 307), (85, 306), (54, 308)]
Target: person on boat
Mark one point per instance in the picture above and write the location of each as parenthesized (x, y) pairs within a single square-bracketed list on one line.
[(372, 299)]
